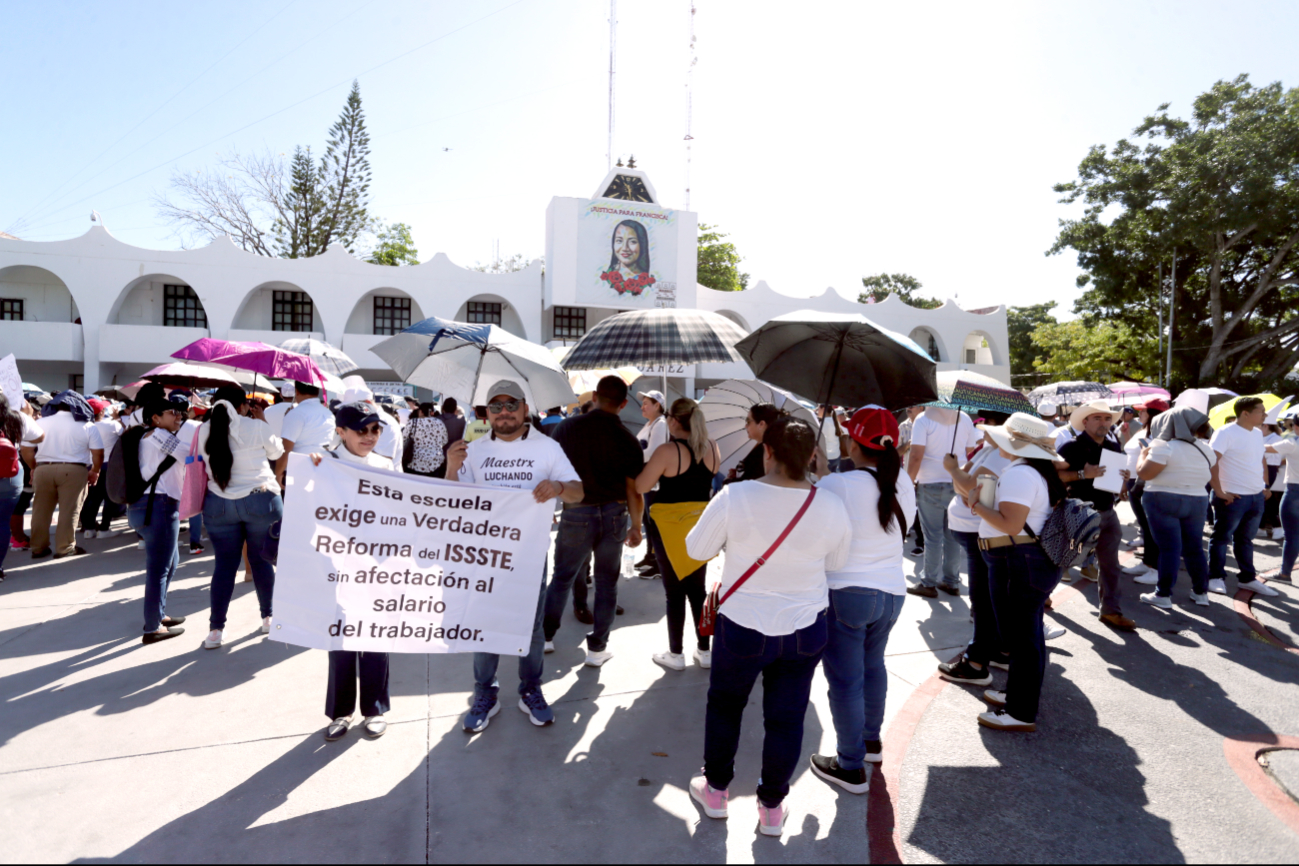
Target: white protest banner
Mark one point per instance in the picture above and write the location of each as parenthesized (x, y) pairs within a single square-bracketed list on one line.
[(10, 381), (379, 561)]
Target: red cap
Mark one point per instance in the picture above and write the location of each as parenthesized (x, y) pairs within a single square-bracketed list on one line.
[(871, 426), (97, 405), (1156, 405)]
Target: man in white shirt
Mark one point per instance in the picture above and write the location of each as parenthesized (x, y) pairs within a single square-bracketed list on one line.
[(933, 434), (274, 415), (308, 427), (1239, 481), (497, 460), (63, 469), (103, 436)]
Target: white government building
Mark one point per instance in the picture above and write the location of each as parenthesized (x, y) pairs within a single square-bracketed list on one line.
[(91, 311)]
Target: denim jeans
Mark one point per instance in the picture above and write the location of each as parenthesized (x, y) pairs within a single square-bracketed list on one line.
[(585, 532), (1237, 523), (161, 555), (346, 667), (1177, 523), (530, 665), (10, 490), (987, 644), (230, 524), (942, 551), (1022, 577), (787, 664), (859, 623), (1289, 522), (1150, 547), (196, 528)]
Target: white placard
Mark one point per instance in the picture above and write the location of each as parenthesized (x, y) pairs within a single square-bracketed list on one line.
[(10, 381), (1114, 463), (375, 560)]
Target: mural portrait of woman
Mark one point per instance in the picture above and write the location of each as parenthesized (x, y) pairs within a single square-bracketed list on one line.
[(629, 262)]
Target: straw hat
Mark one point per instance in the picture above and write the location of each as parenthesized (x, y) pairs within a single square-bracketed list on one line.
[(1024, 436), (1096, 407)]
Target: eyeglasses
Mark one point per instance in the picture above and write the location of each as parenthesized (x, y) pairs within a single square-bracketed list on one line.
[(507, 406)]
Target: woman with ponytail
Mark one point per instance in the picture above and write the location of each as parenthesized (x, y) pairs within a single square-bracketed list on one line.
[(866, 593), (242, 503), (760, 416)]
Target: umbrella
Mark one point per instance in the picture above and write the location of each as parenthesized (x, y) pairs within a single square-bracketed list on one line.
[(582, 381), (270, 361), (726, 406), (1218, 417), (1204, 399), (966, 389), (1275, 413), (325, 356), (656, 337), (842, 359), (1132, 393), (1069, 394), (464, 360), (28, 387), (190, 375)]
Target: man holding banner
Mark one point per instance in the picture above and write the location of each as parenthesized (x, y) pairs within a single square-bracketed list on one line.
[(510, 457)]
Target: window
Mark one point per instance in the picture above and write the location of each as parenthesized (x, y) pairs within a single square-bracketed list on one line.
[(293, 311), (570, 322), (11, 309), (182, 308), (969, 356), (484, 313), (391, 315), (77, 382)]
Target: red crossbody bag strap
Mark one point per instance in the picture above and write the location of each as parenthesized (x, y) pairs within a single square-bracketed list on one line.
[(762, 560)]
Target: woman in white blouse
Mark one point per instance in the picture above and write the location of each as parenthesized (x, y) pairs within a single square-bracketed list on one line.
[(774, 625), (156, 514)]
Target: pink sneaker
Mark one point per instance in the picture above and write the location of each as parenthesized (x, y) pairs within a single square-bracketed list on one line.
[(771, 819), (713, 801)]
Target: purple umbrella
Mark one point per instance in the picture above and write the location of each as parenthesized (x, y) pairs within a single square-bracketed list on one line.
[(270, 361)]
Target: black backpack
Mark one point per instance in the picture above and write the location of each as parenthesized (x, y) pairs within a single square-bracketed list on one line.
[(125, 485)]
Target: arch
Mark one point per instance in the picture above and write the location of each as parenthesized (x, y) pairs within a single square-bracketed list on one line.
[(736, 318), (980, 348), (44, 295), (929, 340), (257, 310), (510, 319), (143, 301), (361, 320)]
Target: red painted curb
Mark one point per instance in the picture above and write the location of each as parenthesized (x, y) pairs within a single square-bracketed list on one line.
[(1243, 610), (1242, 755)]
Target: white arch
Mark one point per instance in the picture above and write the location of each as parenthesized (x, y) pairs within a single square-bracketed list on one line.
[(980, 348), (929, 340), (736, 318), (143, 300), (256, 310), (361, 319), (45, 296), (510, 319)]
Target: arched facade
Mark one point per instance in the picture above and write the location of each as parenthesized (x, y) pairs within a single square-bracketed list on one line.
[(931, 342), (382, 312), (34, 294), (495, 310), (159, 299), (980, 348), (282, 308)]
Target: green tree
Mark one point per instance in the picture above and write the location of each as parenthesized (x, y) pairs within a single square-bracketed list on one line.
[(1021, 322), (302, 209), (1098, 352), (904, 286), (394, 245), (1217, 195), (719, 264)]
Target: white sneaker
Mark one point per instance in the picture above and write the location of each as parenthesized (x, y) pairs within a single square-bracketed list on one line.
[(91, 533), (1160, 601), (1219, 586), (595, 659), (213, 639), (1200, 598), (671, 661), (704, 658), (1149, 578), (140, 545), (266, 625), (550, 646), (1278, 534), (1053, 631), (1136, 570), (1258, 587)]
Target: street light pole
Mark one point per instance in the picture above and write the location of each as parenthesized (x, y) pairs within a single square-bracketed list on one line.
[(1159, 304), (1172, 299)]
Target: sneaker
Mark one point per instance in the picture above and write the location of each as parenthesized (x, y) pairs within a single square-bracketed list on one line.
[(337, 729), (1090, 572), (1136, 570), (1258, 587), (1159, 601), (533, 702), (965, 673), (771, 819), (1000, 720), (90, 533), (140, 544), (852, 781), (1003, 663), (1278, 534), (994, 698), (1218, 585), (923, 591), (1150, 578), (712, 800), (15, 544), (1200, 598), (595, 658), (266, 625), (704, 658), (550, 647), (917, 551), (874, 752), (480, 714), (213, 639), (195, 549), (650, 575), (671, 661), (1051, 632)]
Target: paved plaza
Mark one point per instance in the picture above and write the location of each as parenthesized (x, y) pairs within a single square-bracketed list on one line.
[(114, 751)]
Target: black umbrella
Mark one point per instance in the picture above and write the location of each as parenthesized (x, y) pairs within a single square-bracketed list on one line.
[(840, 359)]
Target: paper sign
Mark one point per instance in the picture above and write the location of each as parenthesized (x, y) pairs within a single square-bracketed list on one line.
[(10, 381), (1112, 480)]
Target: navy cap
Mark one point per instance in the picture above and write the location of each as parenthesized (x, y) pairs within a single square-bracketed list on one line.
[(355, 416)]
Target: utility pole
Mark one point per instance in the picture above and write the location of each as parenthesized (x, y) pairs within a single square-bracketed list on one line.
[(613, 53), (1159, 303), (1172, 298)]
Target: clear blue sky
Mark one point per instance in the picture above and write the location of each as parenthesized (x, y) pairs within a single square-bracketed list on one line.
[(832, 140)]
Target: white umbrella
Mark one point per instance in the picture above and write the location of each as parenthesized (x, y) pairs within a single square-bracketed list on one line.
[(328, 358), (582, 381), (726, 406)]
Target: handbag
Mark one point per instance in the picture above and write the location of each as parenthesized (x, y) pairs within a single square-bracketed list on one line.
[(194, 488), (708, 618)]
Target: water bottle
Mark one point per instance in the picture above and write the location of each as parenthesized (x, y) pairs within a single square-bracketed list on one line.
[(628, 565)]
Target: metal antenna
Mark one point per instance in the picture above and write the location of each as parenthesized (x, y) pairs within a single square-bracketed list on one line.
[(613, 53), (690, 73)]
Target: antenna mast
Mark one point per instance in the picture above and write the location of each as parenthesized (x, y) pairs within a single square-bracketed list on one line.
[(613, 53), (690, 97)]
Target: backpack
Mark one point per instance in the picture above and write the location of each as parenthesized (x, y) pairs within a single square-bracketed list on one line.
[(125, 484), (1070, 533), (9, 462)]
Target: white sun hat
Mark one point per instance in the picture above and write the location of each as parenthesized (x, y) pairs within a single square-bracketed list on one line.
[(1024, 436)]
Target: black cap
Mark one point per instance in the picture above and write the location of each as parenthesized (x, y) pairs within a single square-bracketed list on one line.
[(355, 416)]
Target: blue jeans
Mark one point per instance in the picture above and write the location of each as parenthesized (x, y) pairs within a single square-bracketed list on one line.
[(859, 623), (10, 490), (1177, 523), (942, 551), (586, 532), (1289, 522), (1237, 522), (230, 524), (787, 664), (161, 555), (987, 644), (530, 665), (196, 527), (1022, 578)]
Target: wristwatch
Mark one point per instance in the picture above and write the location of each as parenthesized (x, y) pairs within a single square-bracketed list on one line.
[(1082, 474)]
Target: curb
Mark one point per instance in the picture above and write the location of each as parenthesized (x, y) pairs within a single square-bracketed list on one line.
[(1242, 755)]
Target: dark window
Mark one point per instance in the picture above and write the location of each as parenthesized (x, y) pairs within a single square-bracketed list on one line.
[(77, 382), (391, 315), (570, 322), (969, 356), (182, 308), (293, 311), (11, 309), (484, 313)]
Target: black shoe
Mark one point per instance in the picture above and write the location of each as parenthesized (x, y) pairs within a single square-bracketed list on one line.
[(41, 554), (965, 673), (2, 575), (155, 636), (922, 590), (917, 551), (950, 590), (874, 752), (618, 611), (648, 568), (648, 559), (173, 620), (853, 781), (584, 616), (76, 551)]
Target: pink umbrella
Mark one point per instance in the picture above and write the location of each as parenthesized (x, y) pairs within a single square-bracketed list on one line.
[(270, 361), (1131, 393)]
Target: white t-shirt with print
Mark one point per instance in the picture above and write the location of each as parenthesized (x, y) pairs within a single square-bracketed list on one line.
[(937, 439), (1185, 472), (523, 463), (959, 516), (1240, 468), (1022, 485)]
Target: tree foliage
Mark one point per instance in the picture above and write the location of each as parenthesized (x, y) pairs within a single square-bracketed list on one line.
[(1218, 195), (1100, 352), (1021, 322), (904, 286), (719, 264), (500, 265), (393, 245)]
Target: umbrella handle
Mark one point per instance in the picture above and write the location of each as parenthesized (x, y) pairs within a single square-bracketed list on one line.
[(955, 429)]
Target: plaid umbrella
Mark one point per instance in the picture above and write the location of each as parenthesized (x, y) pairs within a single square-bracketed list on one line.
[(644, 338), (327, 358), (1069, 394)]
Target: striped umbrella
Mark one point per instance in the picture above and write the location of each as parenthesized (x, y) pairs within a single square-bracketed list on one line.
[(726, 407), (328, 358), (645, 338), (1070, 394)]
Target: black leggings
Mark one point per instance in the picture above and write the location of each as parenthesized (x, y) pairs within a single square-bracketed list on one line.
[(690, 588)]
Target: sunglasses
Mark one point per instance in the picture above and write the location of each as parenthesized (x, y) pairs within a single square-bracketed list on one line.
[(372, 430), (507, 406)]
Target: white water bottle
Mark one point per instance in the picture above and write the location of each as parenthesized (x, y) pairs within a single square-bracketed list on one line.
[(628, 564)]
